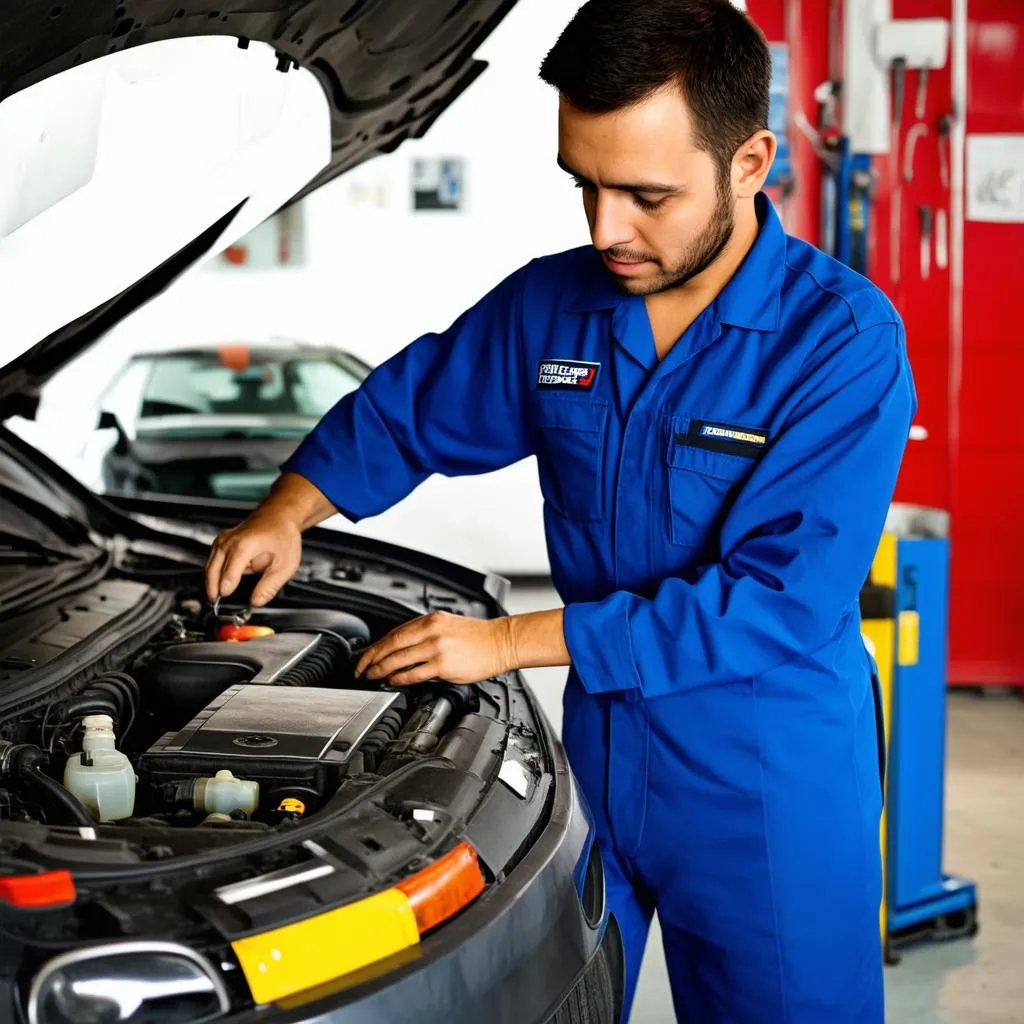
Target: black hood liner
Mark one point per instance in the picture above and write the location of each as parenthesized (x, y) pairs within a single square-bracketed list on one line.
[(388, 67)]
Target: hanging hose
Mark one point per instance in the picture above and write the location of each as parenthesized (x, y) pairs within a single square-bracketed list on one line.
[(26, 762), (115, 694)]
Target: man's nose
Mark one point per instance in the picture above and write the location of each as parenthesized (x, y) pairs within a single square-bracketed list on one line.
[(609, 222)]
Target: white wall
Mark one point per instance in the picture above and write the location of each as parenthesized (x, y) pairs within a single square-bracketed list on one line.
[(375, 279)]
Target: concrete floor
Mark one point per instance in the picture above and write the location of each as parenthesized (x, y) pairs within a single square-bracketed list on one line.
[(979, 981)]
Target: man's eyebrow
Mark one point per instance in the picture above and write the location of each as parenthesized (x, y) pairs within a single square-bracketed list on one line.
[(647, 187)]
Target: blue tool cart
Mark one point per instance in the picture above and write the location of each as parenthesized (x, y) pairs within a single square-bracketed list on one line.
[(905, 611)]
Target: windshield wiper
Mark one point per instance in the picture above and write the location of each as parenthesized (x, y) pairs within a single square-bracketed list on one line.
[(16, 546), (62, 576)]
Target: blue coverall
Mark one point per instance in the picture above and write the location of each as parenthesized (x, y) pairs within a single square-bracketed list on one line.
[(710, 521)]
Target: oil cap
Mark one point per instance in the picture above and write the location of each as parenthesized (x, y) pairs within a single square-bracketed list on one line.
[(233, 633)]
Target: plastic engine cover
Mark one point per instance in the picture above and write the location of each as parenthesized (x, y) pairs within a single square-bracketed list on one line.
[(285, 738)]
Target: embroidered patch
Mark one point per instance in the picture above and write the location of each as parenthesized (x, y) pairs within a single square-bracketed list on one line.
[(567, 374)]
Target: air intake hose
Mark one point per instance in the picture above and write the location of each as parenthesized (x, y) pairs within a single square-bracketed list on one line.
[(320, 666)]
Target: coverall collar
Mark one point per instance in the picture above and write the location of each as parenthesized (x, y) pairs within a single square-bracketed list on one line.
[(752, 297)]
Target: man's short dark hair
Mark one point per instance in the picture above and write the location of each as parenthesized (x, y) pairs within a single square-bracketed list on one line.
[(615, 53)]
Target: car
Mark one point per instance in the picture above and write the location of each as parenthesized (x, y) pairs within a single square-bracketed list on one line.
[(204, 815), (217, 422)]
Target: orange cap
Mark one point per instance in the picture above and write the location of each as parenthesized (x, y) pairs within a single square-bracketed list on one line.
[(234, 634)]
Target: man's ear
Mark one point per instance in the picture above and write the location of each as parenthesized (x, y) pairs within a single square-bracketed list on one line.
[(751, 164)]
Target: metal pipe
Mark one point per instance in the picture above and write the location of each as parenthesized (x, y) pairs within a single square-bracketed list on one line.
[(958, 145)]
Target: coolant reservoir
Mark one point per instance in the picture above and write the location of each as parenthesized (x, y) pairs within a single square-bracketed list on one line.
[(101, 776), (224, 793)]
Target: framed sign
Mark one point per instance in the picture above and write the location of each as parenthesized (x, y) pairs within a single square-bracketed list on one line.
[(995, 178)]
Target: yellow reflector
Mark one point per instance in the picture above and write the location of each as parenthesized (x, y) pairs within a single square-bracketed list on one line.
[(298, 956), (909, 638)]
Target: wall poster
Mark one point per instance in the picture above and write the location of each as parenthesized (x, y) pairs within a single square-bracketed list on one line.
[(438, 183)]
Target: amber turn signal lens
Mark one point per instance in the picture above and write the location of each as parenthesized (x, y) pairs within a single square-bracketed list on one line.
[(440, 891)]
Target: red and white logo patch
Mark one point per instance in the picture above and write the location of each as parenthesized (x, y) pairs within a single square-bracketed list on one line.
[(567, 374)]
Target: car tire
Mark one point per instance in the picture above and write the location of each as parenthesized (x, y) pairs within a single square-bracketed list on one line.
[(593, 1000)]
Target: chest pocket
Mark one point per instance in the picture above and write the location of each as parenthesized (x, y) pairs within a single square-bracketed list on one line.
[(702, 483), (571, 430)]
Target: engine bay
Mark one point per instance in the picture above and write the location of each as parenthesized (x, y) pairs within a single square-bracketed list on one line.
[(247, 720)]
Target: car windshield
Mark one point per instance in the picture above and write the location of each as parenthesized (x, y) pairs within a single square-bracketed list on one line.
[(234, 381)]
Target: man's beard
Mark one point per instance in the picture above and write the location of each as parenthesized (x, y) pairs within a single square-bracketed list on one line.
[(695, 259)]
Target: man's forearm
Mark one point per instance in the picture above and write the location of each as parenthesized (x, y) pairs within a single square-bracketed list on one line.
[(294, 498), (536, 639)]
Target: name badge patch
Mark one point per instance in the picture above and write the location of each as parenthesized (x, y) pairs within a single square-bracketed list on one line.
[(727, 438), (738, 434), (567, 375)]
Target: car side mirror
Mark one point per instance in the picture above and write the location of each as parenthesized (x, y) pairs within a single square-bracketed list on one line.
[(109, 421)]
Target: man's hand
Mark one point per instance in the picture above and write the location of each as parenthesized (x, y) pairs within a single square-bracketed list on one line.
[(440, 646), (265, 544), (463, 650), (268, 542)]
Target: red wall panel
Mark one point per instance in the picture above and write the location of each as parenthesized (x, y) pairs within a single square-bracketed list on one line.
[(987, 641)]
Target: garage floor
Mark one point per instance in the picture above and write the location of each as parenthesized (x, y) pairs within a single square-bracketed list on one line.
[(965, 982)]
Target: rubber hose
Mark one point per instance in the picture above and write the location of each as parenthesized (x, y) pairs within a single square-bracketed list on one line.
[(381, 735), (320, 666), (27, 765)]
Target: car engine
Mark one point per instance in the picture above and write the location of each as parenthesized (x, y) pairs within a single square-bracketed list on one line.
[(243, 720)]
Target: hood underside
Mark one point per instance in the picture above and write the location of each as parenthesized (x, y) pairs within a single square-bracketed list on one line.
[(82, 241)]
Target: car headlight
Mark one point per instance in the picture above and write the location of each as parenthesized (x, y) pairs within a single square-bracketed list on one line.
[(128, 983)]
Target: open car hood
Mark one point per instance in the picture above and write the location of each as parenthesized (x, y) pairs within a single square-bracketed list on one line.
[(137, 140)]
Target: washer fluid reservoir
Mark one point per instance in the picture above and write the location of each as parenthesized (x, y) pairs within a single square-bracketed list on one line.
[(101, 776)]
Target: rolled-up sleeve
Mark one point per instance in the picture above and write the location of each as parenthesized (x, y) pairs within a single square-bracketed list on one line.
[(796, 545), (449, 403)]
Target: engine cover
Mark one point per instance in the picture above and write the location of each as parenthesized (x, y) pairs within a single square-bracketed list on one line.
[(282, 737)]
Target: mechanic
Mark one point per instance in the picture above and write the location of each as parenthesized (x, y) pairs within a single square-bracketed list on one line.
[(719, 412)]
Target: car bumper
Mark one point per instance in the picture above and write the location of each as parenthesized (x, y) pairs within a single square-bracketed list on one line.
[(512, 957)]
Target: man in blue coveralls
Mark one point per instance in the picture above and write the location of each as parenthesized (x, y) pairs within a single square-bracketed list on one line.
[(719, 412)]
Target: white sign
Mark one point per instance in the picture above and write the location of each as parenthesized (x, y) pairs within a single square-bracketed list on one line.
[(995, 178)]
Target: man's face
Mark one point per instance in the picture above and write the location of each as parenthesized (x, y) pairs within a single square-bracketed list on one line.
[(658, 212)]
